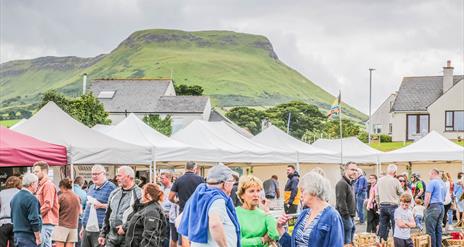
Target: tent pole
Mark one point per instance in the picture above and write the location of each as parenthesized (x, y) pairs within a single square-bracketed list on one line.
[(72, 167), (298, 162), (378, 167), (151, 172)]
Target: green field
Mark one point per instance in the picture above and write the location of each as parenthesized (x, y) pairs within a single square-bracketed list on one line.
[(9, 123), (389, 146), (235, 69)]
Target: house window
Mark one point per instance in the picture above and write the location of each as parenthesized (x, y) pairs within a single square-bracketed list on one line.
[(390, 128), (106, 94), (454, 121), (417, 125)]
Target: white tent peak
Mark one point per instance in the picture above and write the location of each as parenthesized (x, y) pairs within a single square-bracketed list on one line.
[(432, 147), (232, 146), (275, 137), (353, 149), (432, 142), (85, 146), (134, 130)]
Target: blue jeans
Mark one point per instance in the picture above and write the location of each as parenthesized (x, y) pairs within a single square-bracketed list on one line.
[(418, 220), (387, 219), (349, 229), (23, 242), (46, 235), (450, 216), (360, 197), (433, 221)]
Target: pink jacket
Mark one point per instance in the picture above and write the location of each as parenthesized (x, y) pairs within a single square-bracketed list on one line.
[(49, 205)]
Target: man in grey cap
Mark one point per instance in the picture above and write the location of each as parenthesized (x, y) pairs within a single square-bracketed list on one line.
[(209, 217)]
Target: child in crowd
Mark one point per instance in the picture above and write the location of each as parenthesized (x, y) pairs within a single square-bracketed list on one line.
[(404, 221), (418, 212)]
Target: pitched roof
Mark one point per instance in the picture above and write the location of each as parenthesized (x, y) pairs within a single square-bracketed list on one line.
[(417, 93), (132, 95), (181, 104), (216, 116)]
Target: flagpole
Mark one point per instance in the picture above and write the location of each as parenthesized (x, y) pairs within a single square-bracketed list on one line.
[(341, 128)]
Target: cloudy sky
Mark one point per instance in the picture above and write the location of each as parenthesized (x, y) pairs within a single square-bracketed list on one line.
[(331, 42)]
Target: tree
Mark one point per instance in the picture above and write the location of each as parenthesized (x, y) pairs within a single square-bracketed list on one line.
[(58, 98), (350, 128), (163, 125), (194, 90), (247, 118), (303, 117), (86, 108)]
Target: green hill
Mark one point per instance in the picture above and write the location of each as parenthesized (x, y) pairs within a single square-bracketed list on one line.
[(233, 68)]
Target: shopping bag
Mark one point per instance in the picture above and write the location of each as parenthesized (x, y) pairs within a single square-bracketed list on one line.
[(92, 222)]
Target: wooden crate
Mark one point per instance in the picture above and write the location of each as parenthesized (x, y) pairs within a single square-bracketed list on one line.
[(455, 242), (365, 240), (422, 240), (389, 243)]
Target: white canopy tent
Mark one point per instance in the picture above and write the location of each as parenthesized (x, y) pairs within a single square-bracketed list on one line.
[(432, 147), (102, 128), (16, 125), (84, 145), (353, 150), (230, 145), (133, 130), (276, 138)]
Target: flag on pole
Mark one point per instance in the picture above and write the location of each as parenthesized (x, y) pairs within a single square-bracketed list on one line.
[(335, 108)]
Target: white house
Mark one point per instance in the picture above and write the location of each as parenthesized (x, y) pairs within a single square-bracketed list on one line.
[(149, 96), (155, 96), (426, 103), (381, 119)]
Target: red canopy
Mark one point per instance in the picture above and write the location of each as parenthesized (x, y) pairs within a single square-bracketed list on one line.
[(17, 149)]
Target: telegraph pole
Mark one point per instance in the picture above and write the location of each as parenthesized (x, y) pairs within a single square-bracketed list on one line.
[(370, 103)]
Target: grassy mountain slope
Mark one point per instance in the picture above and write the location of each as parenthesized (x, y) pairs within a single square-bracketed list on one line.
[(233, 68)]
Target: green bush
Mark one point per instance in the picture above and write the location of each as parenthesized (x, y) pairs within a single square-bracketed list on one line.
[(363, 136), (385, 138)]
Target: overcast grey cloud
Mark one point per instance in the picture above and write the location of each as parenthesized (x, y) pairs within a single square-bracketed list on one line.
[(333, 43)]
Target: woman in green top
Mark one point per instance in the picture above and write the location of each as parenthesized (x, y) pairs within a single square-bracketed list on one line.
[(257, 228)]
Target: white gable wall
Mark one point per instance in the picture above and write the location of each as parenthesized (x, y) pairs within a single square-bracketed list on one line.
[(170, 90), (382, 116), (452, 100)]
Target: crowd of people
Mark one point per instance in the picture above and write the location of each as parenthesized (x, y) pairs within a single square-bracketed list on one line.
[(224, 209), (399, 202)]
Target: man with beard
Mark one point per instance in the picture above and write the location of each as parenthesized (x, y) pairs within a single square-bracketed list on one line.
[(291, 192), (345, 202)]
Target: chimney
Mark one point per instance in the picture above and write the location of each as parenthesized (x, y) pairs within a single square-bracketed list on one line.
[(447, 76), (84, 83)]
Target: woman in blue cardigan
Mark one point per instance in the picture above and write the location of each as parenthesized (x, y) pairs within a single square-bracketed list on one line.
[(320, 224)]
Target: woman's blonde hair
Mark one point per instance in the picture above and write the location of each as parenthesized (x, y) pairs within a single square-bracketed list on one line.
[(246, 182)]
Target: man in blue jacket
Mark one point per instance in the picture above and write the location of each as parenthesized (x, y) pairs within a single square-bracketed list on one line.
[(25, 214), (360, 189)]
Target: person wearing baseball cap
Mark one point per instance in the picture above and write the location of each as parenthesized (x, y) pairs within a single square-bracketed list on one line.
[(209, 217)]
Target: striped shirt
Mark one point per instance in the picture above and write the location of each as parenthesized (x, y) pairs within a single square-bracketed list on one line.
[(102, 194), (303, 235)]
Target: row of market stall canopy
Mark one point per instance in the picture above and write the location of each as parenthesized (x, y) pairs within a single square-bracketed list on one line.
[(56, 137)]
